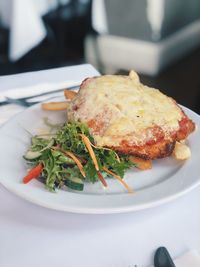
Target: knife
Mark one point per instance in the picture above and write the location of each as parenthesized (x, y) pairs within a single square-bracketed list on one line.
[(37, 90), (35, 98), (162, 258)]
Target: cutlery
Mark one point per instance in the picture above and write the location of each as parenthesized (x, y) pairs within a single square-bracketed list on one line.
[(34, 99), (20, 102), (162, 258), (75, 87), (37, 89)]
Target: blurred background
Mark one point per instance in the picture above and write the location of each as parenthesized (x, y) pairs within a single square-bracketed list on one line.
[(160, 39)]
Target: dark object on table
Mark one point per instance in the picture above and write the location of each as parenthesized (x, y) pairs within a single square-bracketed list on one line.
[(162, 258)]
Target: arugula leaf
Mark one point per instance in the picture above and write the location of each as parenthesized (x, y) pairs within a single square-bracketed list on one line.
[(90, 171), (69, 139), (38, 143)]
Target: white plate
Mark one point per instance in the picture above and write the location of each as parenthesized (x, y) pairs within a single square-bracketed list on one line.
[(167, 180)]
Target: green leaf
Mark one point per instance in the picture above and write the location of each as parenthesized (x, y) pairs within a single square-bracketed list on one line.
[(90, 171), (58, 167)]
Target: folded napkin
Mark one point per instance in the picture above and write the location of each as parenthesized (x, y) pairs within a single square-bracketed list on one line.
[(37, 82), (189, 259), (26, 30)]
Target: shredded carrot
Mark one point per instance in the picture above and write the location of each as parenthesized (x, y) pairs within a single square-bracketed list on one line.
[(102, 179), (87, 143), (106, 148), (72, 156), (76, 160), (33, 173), (130, 190)]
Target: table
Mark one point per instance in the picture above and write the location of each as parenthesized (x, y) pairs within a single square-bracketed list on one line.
[(34, 236)]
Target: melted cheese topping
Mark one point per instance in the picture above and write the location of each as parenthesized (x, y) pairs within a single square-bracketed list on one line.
[(125, 109)]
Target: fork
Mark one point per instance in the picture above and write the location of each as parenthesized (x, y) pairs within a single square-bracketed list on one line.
[(21, 102), (24, 101)]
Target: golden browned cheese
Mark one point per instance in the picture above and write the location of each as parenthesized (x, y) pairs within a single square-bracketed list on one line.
[(129, 117)]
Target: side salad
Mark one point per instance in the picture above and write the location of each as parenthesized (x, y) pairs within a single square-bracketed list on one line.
[(69, 157)]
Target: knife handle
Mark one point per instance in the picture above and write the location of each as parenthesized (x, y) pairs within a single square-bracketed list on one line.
[(162, 258)]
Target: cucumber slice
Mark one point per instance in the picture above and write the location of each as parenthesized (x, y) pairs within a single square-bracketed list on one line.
[(74, 183), (66, 160), (32, 155), (62, 158)]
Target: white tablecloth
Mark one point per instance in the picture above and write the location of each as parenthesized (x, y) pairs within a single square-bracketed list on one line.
[(24, 19), (36, 237)]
